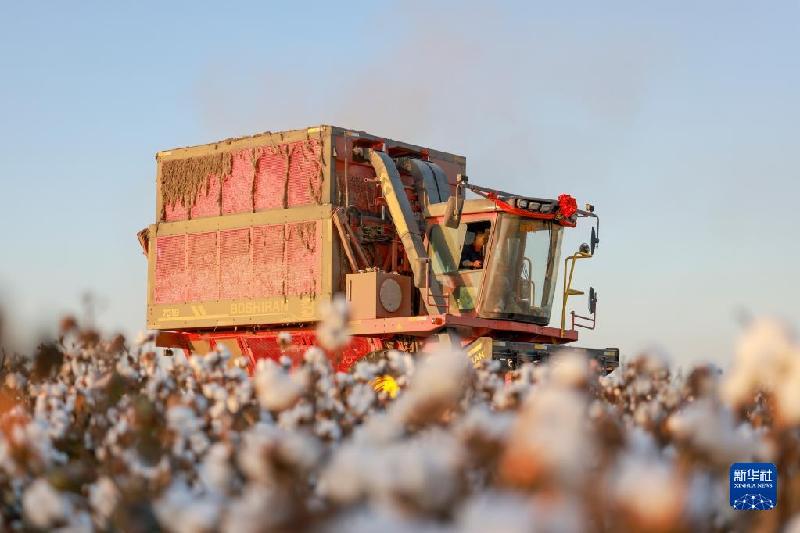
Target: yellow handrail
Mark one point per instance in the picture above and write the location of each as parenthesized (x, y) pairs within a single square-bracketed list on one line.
[(568, 284)]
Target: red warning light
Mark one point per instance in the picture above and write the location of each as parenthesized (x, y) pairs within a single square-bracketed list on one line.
[(567, 205)]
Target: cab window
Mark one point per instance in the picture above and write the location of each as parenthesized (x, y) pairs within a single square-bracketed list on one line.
[(445, 246), (473, 251)]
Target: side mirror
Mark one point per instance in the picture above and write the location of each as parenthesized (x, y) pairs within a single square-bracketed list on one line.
[(455, 204), (451, 218), (592, 300), (593, 241)]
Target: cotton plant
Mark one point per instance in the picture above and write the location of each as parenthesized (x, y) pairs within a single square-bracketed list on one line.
[(100, 434)]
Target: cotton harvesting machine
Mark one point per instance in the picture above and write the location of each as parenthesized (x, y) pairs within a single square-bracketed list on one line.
[(253, 234)]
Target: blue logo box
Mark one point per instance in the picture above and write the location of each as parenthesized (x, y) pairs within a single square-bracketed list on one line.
[(754, 486)]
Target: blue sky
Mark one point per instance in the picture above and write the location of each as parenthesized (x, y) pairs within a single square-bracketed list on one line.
[(679, 120)]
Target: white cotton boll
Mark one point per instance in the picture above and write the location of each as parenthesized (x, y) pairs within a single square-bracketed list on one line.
[(333, 329), (328, 429), (224, 353), (198, 442), (325, 385), (316, 357), (570, 368), (147, 471), (423, 471), (649, 489), (43, 506), (377, 430), (301, 451), (36, 437), (126, 369), (438, 383), (711, 428), (550, 432), (343, 379), (401, 362), (233, 404), (103, 499), (258, 509), (485, 424), (216, 411), (198, 364), (265, 446), (360, 399), (244, 389), (182, 419), (215, 470), (498, 512), (364, 371), (275, 387), (181, 511), (301, 413), (765, 355), (188, 428), (214, 391), (612, 379), (342, 480)]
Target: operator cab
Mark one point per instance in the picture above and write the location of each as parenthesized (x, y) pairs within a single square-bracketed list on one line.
[(523, 269), (497, 265)]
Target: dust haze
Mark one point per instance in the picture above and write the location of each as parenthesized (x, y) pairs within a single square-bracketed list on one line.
[(428, 75)]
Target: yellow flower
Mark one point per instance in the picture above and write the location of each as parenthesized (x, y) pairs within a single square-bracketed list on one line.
[(387, 384)]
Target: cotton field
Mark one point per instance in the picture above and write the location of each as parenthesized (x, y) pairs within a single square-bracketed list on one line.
[(101, 434)]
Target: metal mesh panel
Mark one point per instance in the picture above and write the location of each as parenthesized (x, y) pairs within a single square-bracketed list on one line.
[(171, 277), (305, 174), (203, 267), (236, 269), (258, 262), (207, 202), (302, 257), (237, 189), (175, 212), (267, 177), (268, 266), (269, 189)]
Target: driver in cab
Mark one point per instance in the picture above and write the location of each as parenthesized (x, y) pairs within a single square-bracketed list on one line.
[(472, 256)]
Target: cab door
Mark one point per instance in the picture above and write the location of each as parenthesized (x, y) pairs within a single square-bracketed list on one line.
[(446, 247)]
